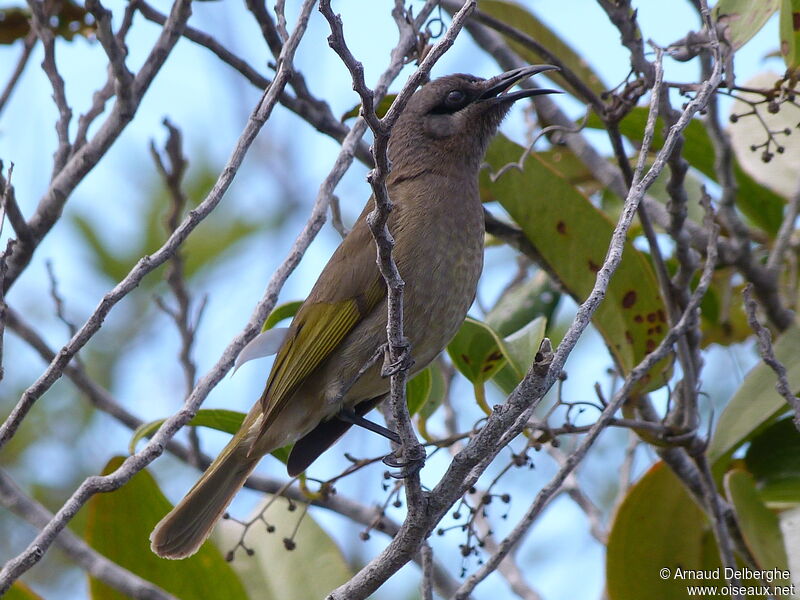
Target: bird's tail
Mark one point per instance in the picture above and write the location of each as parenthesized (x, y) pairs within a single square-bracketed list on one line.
[(187, 526)]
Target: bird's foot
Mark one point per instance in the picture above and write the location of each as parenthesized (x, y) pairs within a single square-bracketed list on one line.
[(348, 415), (406, 466), (403, 362)]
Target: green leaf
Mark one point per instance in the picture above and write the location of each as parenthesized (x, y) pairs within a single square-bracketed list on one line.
[(436, 394), (743, 18), (208, 243), (119, 525), (790, 33), (775, 452), (520, 349), (20, 591), (658, 526), (380, 110), (220, 419), (523, 20), (759, 204), (109, 264), (227, 421), (756, 402), (314, 568), (212, 239), (782, 494), (418, 390), (522, 303), (773, 458), (283, 311), (475, 351), (69, 20), (571, 168), (572, 237), (723, 322), (759, 525)]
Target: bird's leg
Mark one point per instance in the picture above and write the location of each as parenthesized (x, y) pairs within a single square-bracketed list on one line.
[(403, 362), (408, 466), (352, 416), (348, 415)]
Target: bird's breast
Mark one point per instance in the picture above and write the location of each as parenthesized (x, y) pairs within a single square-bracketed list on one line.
[(439, 253)]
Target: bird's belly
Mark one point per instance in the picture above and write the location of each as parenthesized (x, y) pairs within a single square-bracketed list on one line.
[(435, 308), (441, 268)]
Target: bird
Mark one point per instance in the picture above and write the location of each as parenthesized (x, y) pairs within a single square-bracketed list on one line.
[(315, 391)]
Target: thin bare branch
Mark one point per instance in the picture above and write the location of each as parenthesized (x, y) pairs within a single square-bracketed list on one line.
[(27, 48), (573, 489), (40, 25), (785, 232), (313, 110), (80, 162), (94, 563), (721, 532), (10, 208), (763, 279), (585, 310), (548, 492), (116, 53), (764, 342), (92, 485)]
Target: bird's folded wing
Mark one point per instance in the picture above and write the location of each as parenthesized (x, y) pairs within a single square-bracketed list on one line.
[(349, 289)]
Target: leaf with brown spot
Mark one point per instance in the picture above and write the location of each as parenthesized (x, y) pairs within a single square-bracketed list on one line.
[(473, 351), (522, 194), (629, 299), (742, 19), (790, 33), (722, 321), (490, 356)]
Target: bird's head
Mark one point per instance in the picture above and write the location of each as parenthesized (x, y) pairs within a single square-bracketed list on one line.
[(457, 115)]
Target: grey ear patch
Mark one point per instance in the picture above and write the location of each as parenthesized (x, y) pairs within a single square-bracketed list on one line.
[(440, 126), (264, 344)]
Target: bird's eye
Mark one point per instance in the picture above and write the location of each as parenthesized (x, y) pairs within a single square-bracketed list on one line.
[(455, 97), (453, 101)]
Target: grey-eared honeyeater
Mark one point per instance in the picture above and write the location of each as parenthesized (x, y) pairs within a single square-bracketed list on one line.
[(312, 395)]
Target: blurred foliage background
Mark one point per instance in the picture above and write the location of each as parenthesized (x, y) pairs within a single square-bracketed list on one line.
[(118, 214)]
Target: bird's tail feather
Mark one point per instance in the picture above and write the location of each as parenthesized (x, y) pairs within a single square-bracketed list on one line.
[(186, 527)]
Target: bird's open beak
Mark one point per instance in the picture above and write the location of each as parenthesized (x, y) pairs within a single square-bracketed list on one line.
[(497, 87)]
